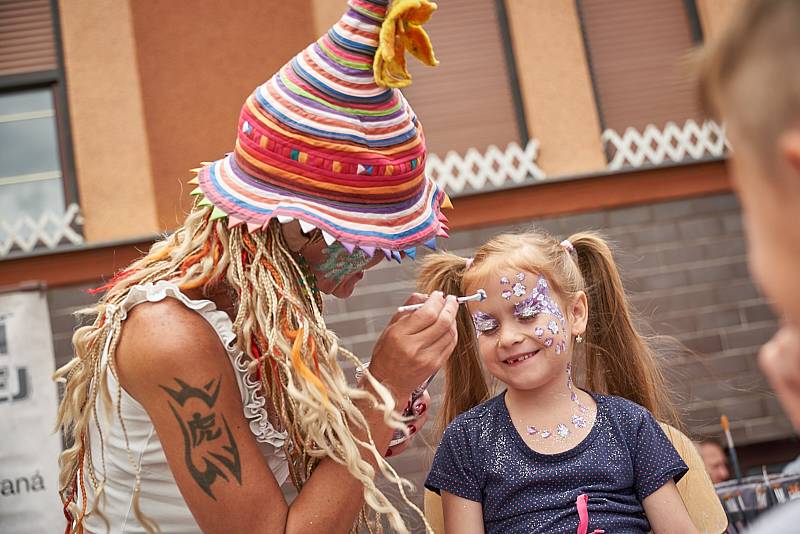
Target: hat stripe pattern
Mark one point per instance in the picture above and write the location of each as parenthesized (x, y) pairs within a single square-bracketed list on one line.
[(323, 143)]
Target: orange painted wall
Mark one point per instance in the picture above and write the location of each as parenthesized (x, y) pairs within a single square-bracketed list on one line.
[(109, 141), (556, 86), (198, 61)]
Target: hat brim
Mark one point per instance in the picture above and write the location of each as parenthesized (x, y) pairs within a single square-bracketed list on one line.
[(398, 226)]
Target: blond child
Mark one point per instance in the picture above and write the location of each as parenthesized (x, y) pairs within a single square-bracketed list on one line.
[(545, 455)]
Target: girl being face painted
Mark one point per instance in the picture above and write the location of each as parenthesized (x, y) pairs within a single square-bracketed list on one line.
[(523, 333)]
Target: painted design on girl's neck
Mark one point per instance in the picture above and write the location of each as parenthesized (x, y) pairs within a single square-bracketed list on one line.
[(483, 322), (339, 264), (561, 430), (539, 301)]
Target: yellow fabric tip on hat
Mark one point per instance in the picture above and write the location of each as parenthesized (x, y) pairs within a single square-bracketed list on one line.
[(401, 30), (196, 191), (196, 169), (217, 213), (194, 181), (206, 163), (447, 203), (205, 202)]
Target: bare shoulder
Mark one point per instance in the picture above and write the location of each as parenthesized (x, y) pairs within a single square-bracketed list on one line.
[(161, 340)]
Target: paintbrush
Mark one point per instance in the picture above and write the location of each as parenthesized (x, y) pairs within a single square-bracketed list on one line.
[(479, 296), (726, 427)]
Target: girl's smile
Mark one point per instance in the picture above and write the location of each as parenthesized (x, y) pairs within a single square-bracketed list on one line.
[(520, 359)]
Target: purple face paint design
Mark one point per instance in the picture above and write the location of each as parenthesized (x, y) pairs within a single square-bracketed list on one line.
[(539, 331), (578, 421), (558, 349), (483, 322), (506, 294), (504, 281), (553, 327), (532, 430), (548, 342), (520, 276), (539, 301), (519, 289), (562, 431)]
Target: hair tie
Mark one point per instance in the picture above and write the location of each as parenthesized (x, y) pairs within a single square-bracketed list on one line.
[(468, 263), (567, 244)]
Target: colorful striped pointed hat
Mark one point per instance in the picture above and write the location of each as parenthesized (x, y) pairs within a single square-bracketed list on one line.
[(331, 142)]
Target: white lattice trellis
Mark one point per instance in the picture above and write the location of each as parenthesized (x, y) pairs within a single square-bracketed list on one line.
[(488, 170), (49, 231), (654, 146)]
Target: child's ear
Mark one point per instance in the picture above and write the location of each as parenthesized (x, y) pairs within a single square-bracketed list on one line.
[(789, 144), (579, 312)]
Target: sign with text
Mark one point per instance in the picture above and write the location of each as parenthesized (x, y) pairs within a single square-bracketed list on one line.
[(29, 448)]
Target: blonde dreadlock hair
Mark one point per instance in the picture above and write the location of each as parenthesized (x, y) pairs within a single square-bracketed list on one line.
[(278, 325)]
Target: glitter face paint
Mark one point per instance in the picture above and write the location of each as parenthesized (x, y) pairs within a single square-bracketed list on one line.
[(484, 322), (539, 301), (339, 264)]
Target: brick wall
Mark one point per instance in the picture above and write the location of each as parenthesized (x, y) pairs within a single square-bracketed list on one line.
[(684, 264)]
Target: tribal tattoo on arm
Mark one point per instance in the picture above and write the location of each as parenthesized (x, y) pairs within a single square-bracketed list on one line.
[(210, 452)]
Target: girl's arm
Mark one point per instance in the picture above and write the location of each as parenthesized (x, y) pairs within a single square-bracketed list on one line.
[(461, 516), (666, 512)]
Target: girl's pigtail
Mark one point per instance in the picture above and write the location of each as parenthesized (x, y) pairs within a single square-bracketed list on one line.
[(619, 361), (465, 381)]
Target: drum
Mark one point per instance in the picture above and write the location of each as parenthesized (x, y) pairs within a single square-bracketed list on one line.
[(744, 501)]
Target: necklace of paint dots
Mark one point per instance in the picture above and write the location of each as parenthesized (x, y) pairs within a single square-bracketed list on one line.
[(562, 431)]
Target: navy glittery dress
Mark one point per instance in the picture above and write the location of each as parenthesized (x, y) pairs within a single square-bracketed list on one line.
[(625, 458)]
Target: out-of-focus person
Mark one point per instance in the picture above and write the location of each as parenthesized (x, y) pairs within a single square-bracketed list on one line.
[(715, 460)]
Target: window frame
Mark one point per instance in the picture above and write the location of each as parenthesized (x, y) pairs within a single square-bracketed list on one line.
[(55, 81)]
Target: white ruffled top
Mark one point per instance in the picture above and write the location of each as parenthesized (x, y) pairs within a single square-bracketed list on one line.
[(160, 498)]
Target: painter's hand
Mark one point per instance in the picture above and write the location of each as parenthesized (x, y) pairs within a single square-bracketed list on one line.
[(420, 416), (414, 345), (780, 361)]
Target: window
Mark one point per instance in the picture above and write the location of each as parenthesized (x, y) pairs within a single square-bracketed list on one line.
[(637, 51), (469, 100), (37, 188), (31, 181)]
